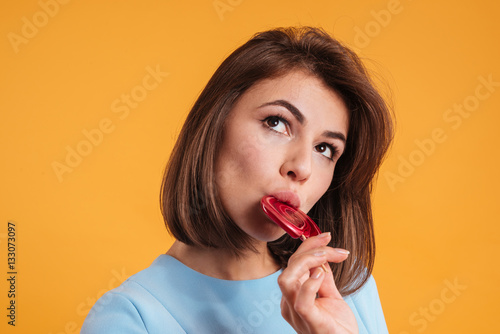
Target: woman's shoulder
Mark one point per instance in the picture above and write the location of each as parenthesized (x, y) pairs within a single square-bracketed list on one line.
[(366, 306), (128, 307), (171, 297)]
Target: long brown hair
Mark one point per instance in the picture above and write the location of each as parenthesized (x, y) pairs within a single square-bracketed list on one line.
[(191, 208)]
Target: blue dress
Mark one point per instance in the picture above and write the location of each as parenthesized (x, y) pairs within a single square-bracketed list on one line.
[(169, 297)]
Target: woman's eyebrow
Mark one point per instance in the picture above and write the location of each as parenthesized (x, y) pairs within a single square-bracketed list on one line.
[(295, 112), (335, 135), (301, 118)]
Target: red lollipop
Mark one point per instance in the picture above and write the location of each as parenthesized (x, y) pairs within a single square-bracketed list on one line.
[(295, 222)]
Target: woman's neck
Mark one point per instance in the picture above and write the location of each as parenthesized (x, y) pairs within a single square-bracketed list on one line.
[(222, 264)]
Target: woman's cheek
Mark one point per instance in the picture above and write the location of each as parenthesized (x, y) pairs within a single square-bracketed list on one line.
[(253, 147)]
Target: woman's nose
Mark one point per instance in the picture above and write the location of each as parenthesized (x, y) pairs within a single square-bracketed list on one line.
[(297, 164)]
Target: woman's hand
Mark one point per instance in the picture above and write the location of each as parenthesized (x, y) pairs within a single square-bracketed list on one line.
[(311, 302)]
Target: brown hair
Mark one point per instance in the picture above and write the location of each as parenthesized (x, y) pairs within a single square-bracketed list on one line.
[(189, 202)]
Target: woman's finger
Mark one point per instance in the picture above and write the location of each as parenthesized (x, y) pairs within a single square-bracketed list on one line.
[(298, 270), (306, 298), (328, 288), (289, 314), (302, 263), (285, 309), (314, 242)]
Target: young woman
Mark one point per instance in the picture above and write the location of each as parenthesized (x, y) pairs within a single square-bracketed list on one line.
[(292, 113)]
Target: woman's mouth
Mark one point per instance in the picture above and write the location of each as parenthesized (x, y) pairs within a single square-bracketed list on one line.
[(295, 222), (288, 197)]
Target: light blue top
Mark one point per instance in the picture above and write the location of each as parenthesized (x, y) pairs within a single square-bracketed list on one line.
[(169, 297)]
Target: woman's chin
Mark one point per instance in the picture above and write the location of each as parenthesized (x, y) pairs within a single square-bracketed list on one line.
[(269, 235)]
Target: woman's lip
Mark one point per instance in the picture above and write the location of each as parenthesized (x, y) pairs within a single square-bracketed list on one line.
[(288, 197)]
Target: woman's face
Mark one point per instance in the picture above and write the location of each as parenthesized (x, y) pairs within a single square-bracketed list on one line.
[(283, 137)]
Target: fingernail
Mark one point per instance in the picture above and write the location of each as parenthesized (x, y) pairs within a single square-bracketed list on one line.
[(342, 251), (320, 253), (324, 235), (317, 274)]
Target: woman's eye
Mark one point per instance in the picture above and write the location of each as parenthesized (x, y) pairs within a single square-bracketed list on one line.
[(277, 124), (326, 149)]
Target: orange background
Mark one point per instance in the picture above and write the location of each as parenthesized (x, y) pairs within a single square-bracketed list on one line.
[(67, 68)]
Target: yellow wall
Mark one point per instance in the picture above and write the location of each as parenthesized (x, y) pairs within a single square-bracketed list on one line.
[(67, 68)]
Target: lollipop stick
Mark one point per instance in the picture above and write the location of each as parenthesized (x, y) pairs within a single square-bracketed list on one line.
[(303, 238)]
